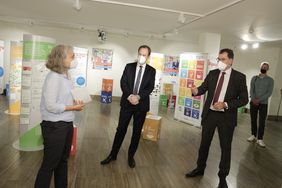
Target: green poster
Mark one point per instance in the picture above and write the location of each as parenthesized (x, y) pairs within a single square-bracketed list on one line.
[(36, 50)]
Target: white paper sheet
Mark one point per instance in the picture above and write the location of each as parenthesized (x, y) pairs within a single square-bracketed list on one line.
[(81, 94)]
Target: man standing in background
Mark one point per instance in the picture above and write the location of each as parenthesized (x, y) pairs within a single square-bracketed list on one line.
[(261, 90)]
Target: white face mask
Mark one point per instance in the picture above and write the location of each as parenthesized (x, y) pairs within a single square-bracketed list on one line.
[(141, 59), (73, 64), (221, 66)]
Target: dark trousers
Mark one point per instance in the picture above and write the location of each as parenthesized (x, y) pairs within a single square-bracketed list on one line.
[(57, 138), (124, 119), (225, 131), (254, 110)]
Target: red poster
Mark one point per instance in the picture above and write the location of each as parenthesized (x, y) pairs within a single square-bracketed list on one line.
[(200, 65), (190, 83), (199, 75)]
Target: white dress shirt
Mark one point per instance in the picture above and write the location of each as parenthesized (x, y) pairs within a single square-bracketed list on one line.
[(224, 87), (136, 74)]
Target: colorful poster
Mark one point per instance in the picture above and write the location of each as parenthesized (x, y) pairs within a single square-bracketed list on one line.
[(78, 74), (34, 71), (102, 58), (192, 72), (2, 84), (157, 61), (171, 66), (16, 53)]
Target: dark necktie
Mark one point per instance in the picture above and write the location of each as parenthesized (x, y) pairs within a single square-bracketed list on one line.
[(218, 89), (137, 83)]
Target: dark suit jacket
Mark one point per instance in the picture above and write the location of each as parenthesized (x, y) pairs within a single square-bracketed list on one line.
[(236, 94), (146, 87)]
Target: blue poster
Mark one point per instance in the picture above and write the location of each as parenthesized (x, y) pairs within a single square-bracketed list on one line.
[(188, 102), (187, 111), (195, 114)]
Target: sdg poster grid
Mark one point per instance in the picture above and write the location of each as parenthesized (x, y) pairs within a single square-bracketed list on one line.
[(192, 71)]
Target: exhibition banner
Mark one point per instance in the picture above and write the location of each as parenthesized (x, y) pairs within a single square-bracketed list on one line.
[(35, 52), (16, 53), (157, 61), (79, 73), (192, 71), (2, 84)]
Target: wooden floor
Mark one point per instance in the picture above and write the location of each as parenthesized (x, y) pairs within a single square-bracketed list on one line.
[(158, 164)]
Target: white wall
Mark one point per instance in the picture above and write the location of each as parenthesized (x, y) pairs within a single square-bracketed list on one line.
[(248, 62), (125, 49), (275, 99)]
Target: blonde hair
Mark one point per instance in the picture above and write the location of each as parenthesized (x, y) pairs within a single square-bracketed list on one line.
[(56, 58)]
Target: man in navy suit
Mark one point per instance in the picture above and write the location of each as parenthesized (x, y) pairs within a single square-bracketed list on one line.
[(137, 83), (227, 91)]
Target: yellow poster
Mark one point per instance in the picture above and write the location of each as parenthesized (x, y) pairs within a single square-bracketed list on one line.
[(16, 54), (157, 61)]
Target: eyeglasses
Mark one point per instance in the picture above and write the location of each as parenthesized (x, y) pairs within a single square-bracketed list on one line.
[(220, 59)]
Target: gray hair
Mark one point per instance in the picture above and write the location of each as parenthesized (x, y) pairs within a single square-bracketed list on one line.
[(56, 58)]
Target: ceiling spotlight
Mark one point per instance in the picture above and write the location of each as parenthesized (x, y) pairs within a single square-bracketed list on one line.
[(30, 22), (175, 31), (251, 30), (77, 5), (169, 34), (244, 46), (181, 18), (255, 45), (126, 34), (81, 28), (101, 36)]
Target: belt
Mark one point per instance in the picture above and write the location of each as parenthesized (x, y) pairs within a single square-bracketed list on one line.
[(221, 112)]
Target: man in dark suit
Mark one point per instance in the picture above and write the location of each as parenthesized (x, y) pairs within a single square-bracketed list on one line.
[(227, 91), (137, 83)]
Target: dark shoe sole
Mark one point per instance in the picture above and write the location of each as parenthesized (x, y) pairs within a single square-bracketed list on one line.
[(188, 175)]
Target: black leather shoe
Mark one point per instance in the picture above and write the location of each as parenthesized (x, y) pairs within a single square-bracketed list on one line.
[(194, 173), (108, 160), (222, 183), (131, 162)]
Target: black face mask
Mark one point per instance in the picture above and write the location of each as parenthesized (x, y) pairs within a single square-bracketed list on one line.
[(263, 71)]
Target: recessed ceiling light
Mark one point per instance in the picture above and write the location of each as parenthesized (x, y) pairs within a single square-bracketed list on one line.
[(255, 45), (244, 46)]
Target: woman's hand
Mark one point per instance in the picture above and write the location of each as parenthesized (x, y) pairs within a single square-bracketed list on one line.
[(78, 106), (76, 102)]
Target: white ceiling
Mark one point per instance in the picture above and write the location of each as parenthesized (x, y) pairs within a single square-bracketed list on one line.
[(235, 20)]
